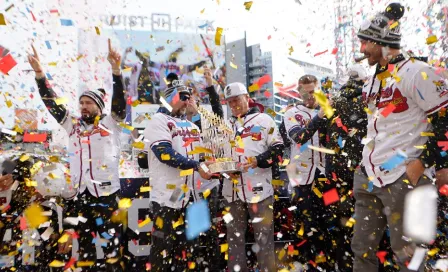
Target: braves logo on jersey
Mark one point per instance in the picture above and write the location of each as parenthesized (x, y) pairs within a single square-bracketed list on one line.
[(395, 97), (247, 132), (187, 135), (300, 120), (441, 87)]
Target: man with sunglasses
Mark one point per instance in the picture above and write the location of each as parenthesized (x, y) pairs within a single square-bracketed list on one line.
[(173, 173), (308, 165)]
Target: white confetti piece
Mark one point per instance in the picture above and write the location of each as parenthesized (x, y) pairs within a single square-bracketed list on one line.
[(257, 220), (8, 131), (227, 218), (71, 220), (417, 258), (292, 208), (46, 235)]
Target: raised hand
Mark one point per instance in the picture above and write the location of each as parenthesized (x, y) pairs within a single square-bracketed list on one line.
[(208, 76), (35, 61), (114, 58)]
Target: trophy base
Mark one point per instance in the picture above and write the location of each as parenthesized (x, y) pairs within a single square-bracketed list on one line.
[(224, 167)]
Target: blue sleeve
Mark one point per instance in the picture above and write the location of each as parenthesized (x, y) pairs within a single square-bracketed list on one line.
[(176, 160)]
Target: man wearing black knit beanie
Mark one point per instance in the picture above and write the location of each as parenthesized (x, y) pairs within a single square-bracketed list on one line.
[(407, 101)]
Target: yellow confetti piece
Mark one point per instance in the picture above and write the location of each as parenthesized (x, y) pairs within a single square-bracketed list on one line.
[(248, 5), (301, 230), (184, 188), (424, 75), (84, 263), (192, 265), (281, 254), (56, 263), (53, 176), (199, 150), (218, 35), (320, 259), (420, 146), (135, 103), (433, 252), (254, 87), (317, 192), (128, 127), (33, 215), (278, 182), (187, 172), (145, 189), (392, 26), (97, 29), (171, 186), (125, 203), (431, 39), (178, 223), (384, 75), (427, 134), (24, 158), (30, 183), (144, 222), (159, 222), (139, 145), (324, 103), (2, 19), (96, 121), (224, 247), (321, 149), (206, 193), (8, 103), (52, 64), (271, 112), (233, 65), (285, 162)]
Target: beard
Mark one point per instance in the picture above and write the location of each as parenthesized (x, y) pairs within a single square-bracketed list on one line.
[(89, 118)]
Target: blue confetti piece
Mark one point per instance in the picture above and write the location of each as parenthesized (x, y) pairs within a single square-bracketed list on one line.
[(70, 154), (255, 129), (127, 131), (304, 147), (195, 118), (251, 171), (171, 97), (395, 161), (48, 44), (66, 22), (420, 94), (183, 124), (22, 86), (106, 235), (340, 142), (204, 25), (34, 34), (370, 187), (49, 77), (198, 218), (99, 221), (443, 153)]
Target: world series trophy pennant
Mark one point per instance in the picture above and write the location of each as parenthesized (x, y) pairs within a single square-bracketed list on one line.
[(217, 137)]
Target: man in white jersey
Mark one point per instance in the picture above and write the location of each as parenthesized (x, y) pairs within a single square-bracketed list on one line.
[(258, 147), (407, 101), (94, 153), (309, 166), (170, 137)]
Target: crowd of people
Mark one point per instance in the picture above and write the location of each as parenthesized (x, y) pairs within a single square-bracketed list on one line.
[(354, 155)]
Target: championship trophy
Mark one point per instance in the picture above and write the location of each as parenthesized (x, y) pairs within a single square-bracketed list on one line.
[(216, 137)]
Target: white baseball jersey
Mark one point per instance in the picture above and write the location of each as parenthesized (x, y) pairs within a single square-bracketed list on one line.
[(53, 179), (169, 188), (258, 132), (94, 154), (420, 91), (306, 160)]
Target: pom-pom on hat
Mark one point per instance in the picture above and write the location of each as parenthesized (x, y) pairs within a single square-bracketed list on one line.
[(384, 27)]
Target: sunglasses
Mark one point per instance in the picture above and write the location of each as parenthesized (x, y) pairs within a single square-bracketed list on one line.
[(184, 97)]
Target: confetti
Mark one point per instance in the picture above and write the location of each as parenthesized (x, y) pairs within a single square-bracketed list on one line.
[(7, 63), (233, 65), (394, 161), (33, 215), (388, 110), (97, 29), (224, 247), (2, 19), (56, 263), (254, 87), (248, 5), (330, 196), (66, 22), (431, 39), (218, 35), (198, 217), (424, 75), (125, 203), (187, 172)]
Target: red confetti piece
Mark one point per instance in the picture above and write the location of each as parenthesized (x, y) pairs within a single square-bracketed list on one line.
[(267, 94), (320, 53), (335, 51), (249, 186), (129, 101), (333, 174), (255, 207), (308, 44), (239, 150), (312, 263), (444, 190), (330, 196), (263, 80), (23, 225), (301, 243), (390, 67), (269, 37), (198, 184), (443, 145), (184, 255), (388, 110), (290, 249), (70, 263), (188, 142), (34, 138), (7, 63), (382, 256), (32, 15), (148, 266)]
